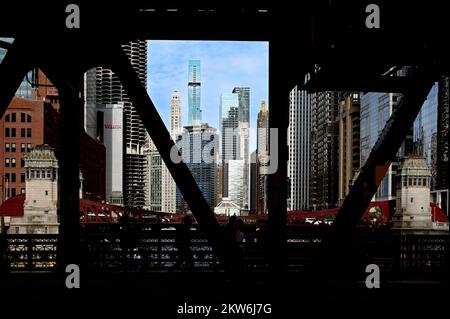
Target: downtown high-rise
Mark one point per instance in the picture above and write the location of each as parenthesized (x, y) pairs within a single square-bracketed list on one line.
[(299, 143), (244, 127), (161, 187), (169, 187), (199, 146), (234, 128), (194, 93), (425, 132), (102, 87), (261, 160), (349, 143), (229, 123), (324, 149), (376, 109), (431, 139)]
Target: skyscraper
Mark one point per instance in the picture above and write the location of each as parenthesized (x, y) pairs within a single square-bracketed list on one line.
[(425, 127), (169, 188), (228, 101), (175, 114), (244, 103), (349, 143), (103, 87), (194, 93), (104, 122), (253, 183), (229, 113), (261, 160), (198, 146), (440, 195), (235, 181), (155, 179), (325, 149), (376, 108), (442, 134), (244, 126), (299, 143)]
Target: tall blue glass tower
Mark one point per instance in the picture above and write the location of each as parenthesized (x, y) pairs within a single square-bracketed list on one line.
[(194, 89), (425, 131)]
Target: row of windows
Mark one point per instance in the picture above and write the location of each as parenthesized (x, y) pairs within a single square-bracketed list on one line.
[(11, 117), (44, 173), (11, 178), (11, 192), (11, 162), (11, 132), (415, 181), (11, 147)]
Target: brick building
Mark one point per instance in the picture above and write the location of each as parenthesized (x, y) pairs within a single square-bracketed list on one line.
[(30, 122)]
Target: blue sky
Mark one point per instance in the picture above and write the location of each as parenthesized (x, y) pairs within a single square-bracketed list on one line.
[(224, 65)]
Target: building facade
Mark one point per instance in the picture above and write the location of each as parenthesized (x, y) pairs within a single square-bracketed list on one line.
[(194, 93), (440, 195), (169, 187), (235, 180), (261, 159), (376, 109), (244, 134), (349, 143), (299, 144), (155, 183), (199, 149), (442, 134), (324, 149), (103, 87), (413, 210), (229, 124), (104, 122), (40, 210), (425, 129), (23, 126)]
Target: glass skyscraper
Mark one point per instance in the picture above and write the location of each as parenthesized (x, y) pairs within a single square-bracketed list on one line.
[(244, 103), (376, 109), (198, 146), (230, 143), (194, 91), (425, 130), (229, 104)]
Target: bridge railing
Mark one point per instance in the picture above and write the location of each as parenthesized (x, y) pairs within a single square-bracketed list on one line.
[(425, 255)]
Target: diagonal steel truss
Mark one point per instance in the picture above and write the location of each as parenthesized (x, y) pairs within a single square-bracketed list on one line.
[(22, 56)]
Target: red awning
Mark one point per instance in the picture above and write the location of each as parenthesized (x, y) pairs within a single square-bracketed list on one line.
[(13, 206)]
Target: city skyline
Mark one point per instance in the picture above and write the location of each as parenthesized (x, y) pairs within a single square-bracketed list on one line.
[(224, 66)]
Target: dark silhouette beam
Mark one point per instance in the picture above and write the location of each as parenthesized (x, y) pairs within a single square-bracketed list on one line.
[(13, 69), (383, 153), (149, 115)]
